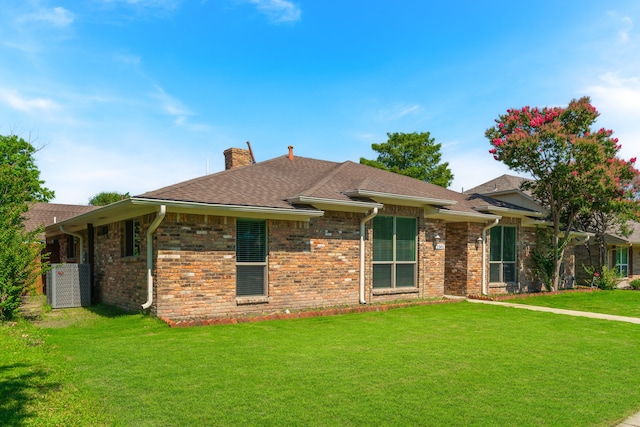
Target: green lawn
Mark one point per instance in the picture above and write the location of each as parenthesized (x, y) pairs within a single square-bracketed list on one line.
[(618, 302), (451, 364)]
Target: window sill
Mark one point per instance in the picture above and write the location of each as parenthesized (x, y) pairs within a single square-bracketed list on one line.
[(395, 291), (252, 300)]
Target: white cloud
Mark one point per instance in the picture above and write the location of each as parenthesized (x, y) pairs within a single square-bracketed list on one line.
[(170, 105), (399, 111), (618, 101), (20, 103), (627, 26), (57, 16), (278, 10)]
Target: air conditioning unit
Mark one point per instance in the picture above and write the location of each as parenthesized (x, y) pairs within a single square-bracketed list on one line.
[(69, 285)]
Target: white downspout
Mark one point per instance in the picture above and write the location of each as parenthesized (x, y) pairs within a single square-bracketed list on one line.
[(154, 225), (363, 221), (80, 238), (484, 255)]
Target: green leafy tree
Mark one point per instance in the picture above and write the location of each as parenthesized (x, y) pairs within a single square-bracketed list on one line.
[(107, 197), (20, 250), (412, 154), (575, 169)]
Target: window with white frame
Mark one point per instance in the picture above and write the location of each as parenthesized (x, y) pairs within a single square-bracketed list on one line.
[(502, 255), (251, 257), (394, 252), (622, 261)]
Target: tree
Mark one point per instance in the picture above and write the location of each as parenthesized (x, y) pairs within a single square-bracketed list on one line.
[(412, 154), (20, 250), (575, 170), (107, 197)]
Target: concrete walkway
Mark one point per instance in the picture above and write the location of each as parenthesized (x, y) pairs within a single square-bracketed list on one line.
[(562, 311), (633, 421)]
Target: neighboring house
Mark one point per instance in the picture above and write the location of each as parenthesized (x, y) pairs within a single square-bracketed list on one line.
[(619, 249), (295, 233), (46, 214), (507, 188), (622, 253)]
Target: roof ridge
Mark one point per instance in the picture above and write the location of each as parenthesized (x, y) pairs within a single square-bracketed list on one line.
[(317, 185)]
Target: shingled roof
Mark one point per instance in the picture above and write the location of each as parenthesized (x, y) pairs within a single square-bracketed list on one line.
[(285, 182), (500, 184), (289, 187), (45, 214)]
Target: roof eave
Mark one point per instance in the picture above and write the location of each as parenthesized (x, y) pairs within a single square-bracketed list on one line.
[(509, 212), (399, 199), (137, 206), (458, 216), (335, 205)]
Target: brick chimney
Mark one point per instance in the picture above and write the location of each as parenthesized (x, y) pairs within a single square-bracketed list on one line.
[(236, 157)]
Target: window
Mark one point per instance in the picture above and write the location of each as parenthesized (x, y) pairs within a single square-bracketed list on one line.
[(502, 257), (251, 257), (622, 261), (394, 252), (131, 238), (72, 247)]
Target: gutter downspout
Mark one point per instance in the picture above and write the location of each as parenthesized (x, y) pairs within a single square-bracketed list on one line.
[(484, 255), (152, 228), (80, 238), (363, 221)]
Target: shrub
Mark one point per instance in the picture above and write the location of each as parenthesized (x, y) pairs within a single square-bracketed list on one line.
[(606, 279), (635, 284)]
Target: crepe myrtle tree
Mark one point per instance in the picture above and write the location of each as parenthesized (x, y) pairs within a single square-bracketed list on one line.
[(574, 168)]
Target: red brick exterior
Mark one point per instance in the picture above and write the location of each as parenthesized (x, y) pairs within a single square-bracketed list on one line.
[(310, 265), (235, 157), (463, 266)]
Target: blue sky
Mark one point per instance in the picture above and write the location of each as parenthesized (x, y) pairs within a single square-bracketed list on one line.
[(133, 95)]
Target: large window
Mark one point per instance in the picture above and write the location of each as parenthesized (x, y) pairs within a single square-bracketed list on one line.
[(502, 258), (622, 261), (394, 252), (251, 258), (131, 238)]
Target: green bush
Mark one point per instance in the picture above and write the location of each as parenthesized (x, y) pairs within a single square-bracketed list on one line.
[(635, 284), (606, 279)]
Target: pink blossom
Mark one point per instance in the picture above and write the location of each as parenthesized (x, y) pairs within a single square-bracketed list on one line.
[(493, 151), (574, 173), (632, 160)]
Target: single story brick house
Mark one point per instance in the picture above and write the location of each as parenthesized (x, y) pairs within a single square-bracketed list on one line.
[(295, 233)]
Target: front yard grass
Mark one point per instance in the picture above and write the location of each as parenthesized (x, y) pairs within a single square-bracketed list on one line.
[(451, 364), (618, 302)]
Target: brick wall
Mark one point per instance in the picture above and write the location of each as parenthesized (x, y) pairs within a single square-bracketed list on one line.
[(526, 238), (463, 265), (310, 264), (429, 261), (118, 280)]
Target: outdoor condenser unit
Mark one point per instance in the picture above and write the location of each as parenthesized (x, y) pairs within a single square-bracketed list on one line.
[(68, 285)]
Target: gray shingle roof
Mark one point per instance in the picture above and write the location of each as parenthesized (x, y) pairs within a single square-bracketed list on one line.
[(271, 183), (45, 214), (502, 183)]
